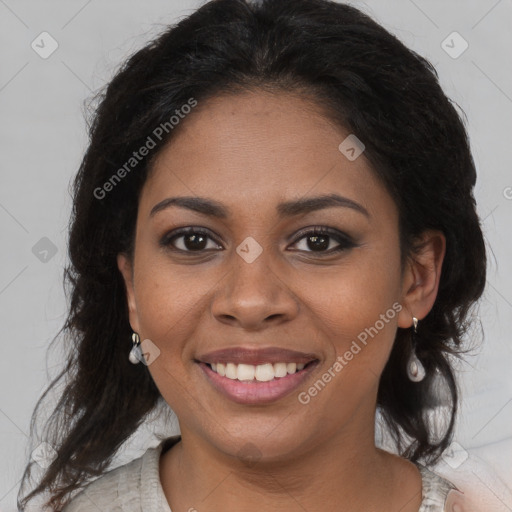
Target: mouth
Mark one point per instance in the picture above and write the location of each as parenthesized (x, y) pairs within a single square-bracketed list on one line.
[(260, 373), (256, 376)]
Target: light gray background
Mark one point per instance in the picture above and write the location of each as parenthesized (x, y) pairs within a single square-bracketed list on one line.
[(43, 138)]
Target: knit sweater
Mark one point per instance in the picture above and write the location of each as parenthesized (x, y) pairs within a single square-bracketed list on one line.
[(136, 487)]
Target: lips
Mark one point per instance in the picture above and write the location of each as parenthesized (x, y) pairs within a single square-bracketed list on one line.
[(272, 355), (253, 392), (264, 378)]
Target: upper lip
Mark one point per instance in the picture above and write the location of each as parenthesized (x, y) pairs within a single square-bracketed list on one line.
[(241, 355)]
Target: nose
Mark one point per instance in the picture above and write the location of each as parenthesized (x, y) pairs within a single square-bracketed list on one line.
[(252, 296)]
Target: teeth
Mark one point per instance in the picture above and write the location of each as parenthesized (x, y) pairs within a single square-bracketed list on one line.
[(280, 370), (262, 372), (245, 372), (231, 371), (291, 367)]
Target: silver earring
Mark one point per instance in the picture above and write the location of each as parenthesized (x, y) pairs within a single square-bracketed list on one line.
[(415, 370), (135, 352)]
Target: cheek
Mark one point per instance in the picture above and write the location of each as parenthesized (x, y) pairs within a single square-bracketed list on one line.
[(167, 306), (357, 306), (166, 297)]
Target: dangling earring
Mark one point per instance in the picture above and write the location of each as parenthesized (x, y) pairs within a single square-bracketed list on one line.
[(415, 370), (135, 352)]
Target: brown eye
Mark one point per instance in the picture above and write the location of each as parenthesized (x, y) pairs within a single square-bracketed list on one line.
[(189, 240), (323, 240), (318, 242)]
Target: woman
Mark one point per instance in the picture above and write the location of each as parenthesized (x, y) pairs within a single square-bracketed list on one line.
[(275, 216)]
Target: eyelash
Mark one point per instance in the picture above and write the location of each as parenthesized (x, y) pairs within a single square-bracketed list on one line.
[(344, 241)]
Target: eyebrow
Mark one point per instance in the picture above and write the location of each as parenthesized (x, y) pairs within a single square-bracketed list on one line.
[(213, 208)]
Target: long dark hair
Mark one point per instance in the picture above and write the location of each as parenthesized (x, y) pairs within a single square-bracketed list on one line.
[(360, 76)]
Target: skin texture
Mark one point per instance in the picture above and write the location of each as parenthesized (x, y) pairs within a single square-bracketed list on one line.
[(250, 152)]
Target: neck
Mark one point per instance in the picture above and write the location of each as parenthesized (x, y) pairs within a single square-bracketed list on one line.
[(345, 471)]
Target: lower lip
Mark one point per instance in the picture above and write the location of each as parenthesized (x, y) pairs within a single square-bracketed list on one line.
[(255, 392)]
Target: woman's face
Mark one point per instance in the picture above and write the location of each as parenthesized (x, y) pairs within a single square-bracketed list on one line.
[(256, 278)]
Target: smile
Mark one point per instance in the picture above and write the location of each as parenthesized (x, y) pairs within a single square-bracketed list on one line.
[(261, 372), (256, 384)]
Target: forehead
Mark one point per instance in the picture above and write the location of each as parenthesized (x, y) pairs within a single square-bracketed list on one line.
[(258, 148)]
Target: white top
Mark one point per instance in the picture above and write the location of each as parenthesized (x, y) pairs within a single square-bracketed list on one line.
[(136, 487)]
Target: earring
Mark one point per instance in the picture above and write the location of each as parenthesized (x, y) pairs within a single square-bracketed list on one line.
[(135, 352), (415, 370)]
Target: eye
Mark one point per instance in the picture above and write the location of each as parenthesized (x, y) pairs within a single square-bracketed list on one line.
[(320, 239), (317, 239), (191, 239)]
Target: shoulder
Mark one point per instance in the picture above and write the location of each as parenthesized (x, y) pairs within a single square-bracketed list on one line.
[(481, 489), (441, 494), (472, 487), (435, 490), (116, 490), (457, 501), (134, 486)]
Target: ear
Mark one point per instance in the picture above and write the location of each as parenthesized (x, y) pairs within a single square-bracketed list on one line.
[(125, 266), (421, 277)]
